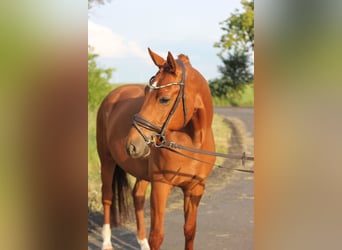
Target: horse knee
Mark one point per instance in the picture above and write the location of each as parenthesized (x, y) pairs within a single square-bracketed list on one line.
[(156, 238), (139, 202), (139, 195)]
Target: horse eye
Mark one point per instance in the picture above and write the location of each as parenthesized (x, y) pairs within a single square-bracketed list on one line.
[(164, 100)]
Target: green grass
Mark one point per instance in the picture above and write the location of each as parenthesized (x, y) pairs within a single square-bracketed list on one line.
[(221, 135), (94, 179), (246, 99)]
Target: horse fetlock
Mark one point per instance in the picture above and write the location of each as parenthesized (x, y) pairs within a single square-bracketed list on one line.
[(106, 237), (143, 244), (155, 240), (106, 202)]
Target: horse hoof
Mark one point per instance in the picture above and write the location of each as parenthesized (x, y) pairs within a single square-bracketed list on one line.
[(107, 246)]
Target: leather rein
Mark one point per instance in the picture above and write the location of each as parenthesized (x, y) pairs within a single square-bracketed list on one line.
[(159, 140)]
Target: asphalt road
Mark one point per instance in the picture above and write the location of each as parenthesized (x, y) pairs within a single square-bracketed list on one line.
[(246, 114), (226, 213)]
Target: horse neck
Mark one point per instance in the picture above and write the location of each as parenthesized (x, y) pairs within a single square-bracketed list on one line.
[(201, 120)]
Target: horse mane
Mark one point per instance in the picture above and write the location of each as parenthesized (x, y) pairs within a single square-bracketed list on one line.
[(184, 58)]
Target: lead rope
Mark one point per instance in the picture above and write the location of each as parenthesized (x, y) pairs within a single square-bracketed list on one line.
[(173, 146)]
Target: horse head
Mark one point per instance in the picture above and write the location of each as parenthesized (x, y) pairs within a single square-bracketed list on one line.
[(170, 101)]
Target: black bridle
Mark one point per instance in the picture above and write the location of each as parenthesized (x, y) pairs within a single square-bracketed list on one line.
[(159, 140), (139, 121)]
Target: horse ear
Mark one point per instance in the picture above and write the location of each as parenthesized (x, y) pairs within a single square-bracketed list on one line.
[(158, 60), (171, 62)]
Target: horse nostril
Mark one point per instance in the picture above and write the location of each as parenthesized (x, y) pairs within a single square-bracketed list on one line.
[(131, 149), (136, 150)]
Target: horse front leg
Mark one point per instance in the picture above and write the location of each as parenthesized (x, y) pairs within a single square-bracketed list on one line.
[(159, 193), (139, 192), (192, 199)]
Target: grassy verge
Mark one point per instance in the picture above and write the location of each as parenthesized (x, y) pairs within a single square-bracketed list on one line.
[(94, 178), (246, 99), (221, 134)]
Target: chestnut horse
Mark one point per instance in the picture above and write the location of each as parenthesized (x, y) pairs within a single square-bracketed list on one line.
[(177, 107)]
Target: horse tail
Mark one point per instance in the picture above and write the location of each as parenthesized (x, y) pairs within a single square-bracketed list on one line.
[(121, 193)]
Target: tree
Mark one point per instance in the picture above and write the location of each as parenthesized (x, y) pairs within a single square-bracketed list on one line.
[(235, 44), (98, 82), (239, 30), (98, 79), (235, 73), (92, 2)]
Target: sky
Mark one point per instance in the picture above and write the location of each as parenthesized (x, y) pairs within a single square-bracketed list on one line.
[(121, 31)]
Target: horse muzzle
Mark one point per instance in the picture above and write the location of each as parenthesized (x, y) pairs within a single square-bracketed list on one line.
[(137, 149)]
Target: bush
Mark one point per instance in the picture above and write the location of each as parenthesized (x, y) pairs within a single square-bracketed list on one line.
[(235, 75), (98, 82)]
